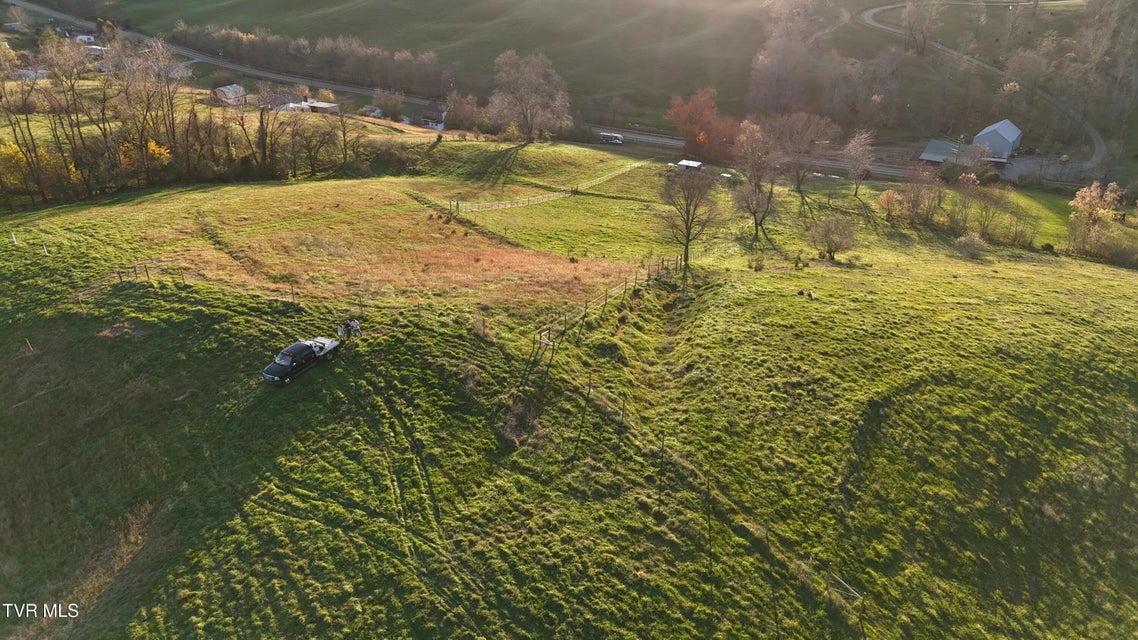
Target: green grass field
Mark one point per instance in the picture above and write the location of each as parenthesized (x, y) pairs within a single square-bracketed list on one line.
[(955, 439)]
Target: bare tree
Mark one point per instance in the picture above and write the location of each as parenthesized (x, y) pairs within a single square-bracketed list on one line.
[(833, 234), (314, 141), (858, 92), (462, 111), (782, 74), (264, 138), (1016, 23), (529, 93), (17, 102), (858, 156), (922, 194), (148, 101), (890, 203), (754, 157), (967, 191), (691, 212), (920, 19), (349, 137), (991, 204), (1029, 68), (796, 137), (391, 102)]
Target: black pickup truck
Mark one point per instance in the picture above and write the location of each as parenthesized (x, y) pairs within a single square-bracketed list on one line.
[(298, 358)]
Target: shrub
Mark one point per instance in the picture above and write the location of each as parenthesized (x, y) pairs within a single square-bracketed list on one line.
[(1117, 250), (833, 234), (972, 245), (511, 133)]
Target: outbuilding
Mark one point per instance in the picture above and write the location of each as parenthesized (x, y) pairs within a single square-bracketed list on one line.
[(1002, 139), (316, 106), (231, 95), (938, 151)]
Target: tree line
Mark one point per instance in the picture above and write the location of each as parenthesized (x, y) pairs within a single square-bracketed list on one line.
[(341, 59), (89, 125), (73, 132), (1093, 71)]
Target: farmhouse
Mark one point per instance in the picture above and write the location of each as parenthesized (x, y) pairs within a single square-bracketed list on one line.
[(231, 95), (434, 115), (1002, 140)]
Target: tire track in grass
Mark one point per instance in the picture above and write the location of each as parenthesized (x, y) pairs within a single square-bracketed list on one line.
[(440, 547), (357, 522), (415, 447), (308, 609)]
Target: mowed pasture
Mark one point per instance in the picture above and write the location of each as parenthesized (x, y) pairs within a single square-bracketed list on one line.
[(337, 237), (951, 437)]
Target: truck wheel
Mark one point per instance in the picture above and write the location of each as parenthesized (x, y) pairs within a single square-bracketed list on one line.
[(328, 356)]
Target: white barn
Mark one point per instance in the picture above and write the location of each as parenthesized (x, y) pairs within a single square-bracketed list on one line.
[(1002, 139)]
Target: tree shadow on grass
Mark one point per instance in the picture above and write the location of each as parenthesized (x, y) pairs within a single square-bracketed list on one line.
[(494, 168)]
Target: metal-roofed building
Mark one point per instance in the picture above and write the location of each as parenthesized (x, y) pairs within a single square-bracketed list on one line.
[(1002, 140)]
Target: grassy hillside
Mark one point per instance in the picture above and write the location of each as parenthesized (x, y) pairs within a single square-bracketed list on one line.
[(954, 439)]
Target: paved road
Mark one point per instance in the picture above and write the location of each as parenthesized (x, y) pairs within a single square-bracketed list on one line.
[(643, 137), (199, 56), (869, 18)]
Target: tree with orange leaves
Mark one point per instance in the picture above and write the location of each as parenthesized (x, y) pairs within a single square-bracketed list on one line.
[(706, 134)]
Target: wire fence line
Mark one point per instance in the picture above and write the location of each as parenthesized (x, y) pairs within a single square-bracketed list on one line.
[(533, 377), (458, 206), (642, 276)]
